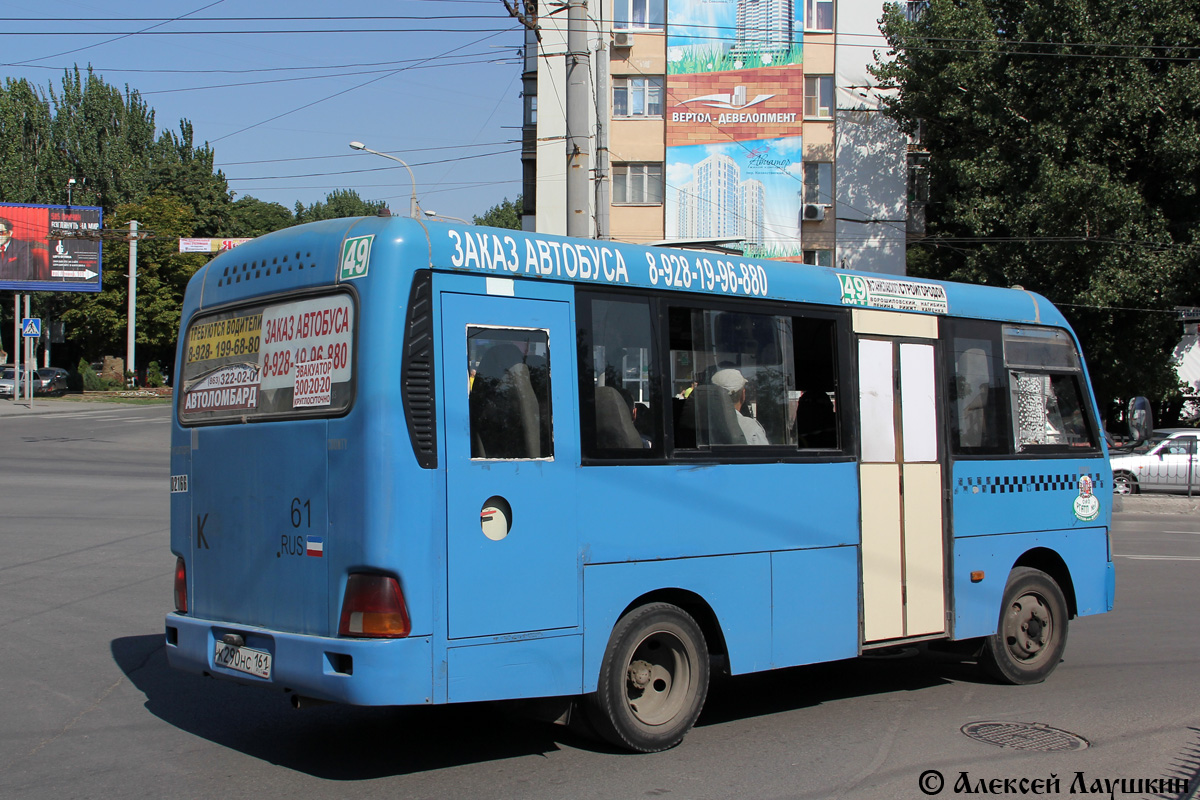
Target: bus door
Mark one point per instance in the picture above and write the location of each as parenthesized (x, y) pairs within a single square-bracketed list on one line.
[(900, 476), (511, 449)]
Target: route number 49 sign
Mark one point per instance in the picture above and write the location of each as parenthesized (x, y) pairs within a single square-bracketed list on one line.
[(356, 256)]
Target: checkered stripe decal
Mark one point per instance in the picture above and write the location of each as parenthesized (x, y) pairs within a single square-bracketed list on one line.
[(1008, 484)]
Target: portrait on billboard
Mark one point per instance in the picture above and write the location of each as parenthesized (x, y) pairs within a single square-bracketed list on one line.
[(23, 253), (50, 248)]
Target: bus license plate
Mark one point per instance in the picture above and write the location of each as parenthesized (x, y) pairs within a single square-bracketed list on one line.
[(243, 659)]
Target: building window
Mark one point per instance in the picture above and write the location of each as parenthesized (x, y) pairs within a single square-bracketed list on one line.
[(639, 184), (818, 96), (818, 15), (531, 109), (819, 258), (639, 14), (913, 9), (638, 97), (818, 183)]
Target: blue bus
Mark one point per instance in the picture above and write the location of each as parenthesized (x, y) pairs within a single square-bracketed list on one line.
[(422, 463)]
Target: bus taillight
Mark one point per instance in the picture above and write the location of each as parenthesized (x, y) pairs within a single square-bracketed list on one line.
[(180, 586), (374, 607)]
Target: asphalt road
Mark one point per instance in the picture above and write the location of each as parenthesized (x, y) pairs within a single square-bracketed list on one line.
[(90, 708)]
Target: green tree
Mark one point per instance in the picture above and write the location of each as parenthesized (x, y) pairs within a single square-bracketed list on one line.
[(505, 214), (338, 204), (1064, 141), (181, 169), (98, 321), (249, 216), (26, 150), (103, 138)]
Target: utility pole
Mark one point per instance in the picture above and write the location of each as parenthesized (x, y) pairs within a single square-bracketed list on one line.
[(578, 100), (131, 326)]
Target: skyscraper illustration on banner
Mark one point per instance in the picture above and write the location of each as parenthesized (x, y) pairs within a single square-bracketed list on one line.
[(764, 27), (717, 203), (732, 35)]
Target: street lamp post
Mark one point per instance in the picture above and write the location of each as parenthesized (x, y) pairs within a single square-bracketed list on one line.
[(435, 215), (70, 186), (414, 209)]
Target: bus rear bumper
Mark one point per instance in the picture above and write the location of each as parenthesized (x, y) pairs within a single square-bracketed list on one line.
[(367, 672)]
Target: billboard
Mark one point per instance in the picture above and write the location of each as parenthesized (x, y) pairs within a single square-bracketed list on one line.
[(735, 89), (208, 245), (50, 248)]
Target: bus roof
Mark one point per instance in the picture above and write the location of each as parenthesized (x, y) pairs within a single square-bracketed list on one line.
[(315, 254)]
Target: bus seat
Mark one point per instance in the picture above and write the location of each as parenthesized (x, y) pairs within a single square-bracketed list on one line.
[(709, 411), (614, 421), (527, 414), (505, 414)]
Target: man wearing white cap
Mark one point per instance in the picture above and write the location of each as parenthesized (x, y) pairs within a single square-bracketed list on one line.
[(734, 382)]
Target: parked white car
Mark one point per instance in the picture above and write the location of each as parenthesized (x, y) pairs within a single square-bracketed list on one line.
[(1165, 463), (6, 382)]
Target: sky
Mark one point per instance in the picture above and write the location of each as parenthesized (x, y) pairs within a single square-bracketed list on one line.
[(280, 89)]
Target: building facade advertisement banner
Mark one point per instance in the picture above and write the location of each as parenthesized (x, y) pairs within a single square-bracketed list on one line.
[(50, 248), (735, 89)]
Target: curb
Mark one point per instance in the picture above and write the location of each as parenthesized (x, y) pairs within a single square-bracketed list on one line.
[(1157, 504)]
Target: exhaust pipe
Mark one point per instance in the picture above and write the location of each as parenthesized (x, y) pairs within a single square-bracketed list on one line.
[(299, 702)]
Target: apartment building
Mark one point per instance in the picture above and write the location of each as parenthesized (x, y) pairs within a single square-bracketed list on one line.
[(752, 124)]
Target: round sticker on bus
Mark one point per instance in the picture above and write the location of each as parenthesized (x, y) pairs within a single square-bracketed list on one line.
[(495, 518), (1087, 505)]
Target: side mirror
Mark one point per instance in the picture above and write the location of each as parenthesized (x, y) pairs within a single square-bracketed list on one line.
[(1141, 419)]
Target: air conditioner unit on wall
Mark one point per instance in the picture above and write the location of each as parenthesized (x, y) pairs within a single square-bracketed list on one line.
[(622, 39), (813, 212)]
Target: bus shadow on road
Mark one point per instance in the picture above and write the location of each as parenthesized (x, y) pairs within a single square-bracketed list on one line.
[(334, 742), (906, 669), (339, 742)]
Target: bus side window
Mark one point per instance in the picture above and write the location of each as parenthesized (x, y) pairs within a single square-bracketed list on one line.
[(816, 403), (620, 410), (1049, 404), (979, 408), (1049, 411), (509, 385), (775, 376)]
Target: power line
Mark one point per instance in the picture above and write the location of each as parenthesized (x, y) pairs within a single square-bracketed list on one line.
[(353, 88), (355, 155), (120, 36), (488, 59), (250, 71), (373, 169)]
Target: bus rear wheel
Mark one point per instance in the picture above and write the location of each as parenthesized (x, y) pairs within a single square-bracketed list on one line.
[(1032, 632), (653, 680)]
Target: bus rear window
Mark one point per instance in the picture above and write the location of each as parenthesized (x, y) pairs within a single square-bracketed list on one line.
[(288, 358)]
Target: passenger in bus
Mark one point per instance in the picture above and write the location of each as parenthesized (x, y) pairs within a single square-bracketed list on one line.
[(816, 421), (732, 381)]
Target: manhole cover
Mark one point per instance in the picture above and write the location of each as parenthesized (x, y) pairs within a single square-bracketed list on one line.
[(1025, 736)]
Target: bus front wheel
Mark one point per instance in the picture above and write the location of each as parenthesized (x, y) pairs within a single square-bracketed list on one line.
[(653, 680), (1032, 632)]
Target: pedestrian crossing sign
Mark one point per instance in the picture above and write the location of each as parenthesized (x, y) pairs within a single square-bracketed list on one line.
[(31, 327)]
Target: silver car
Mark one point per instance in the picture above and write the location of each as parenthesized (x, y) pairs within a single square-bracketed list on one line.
[(1167, 462), (6, 382)]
